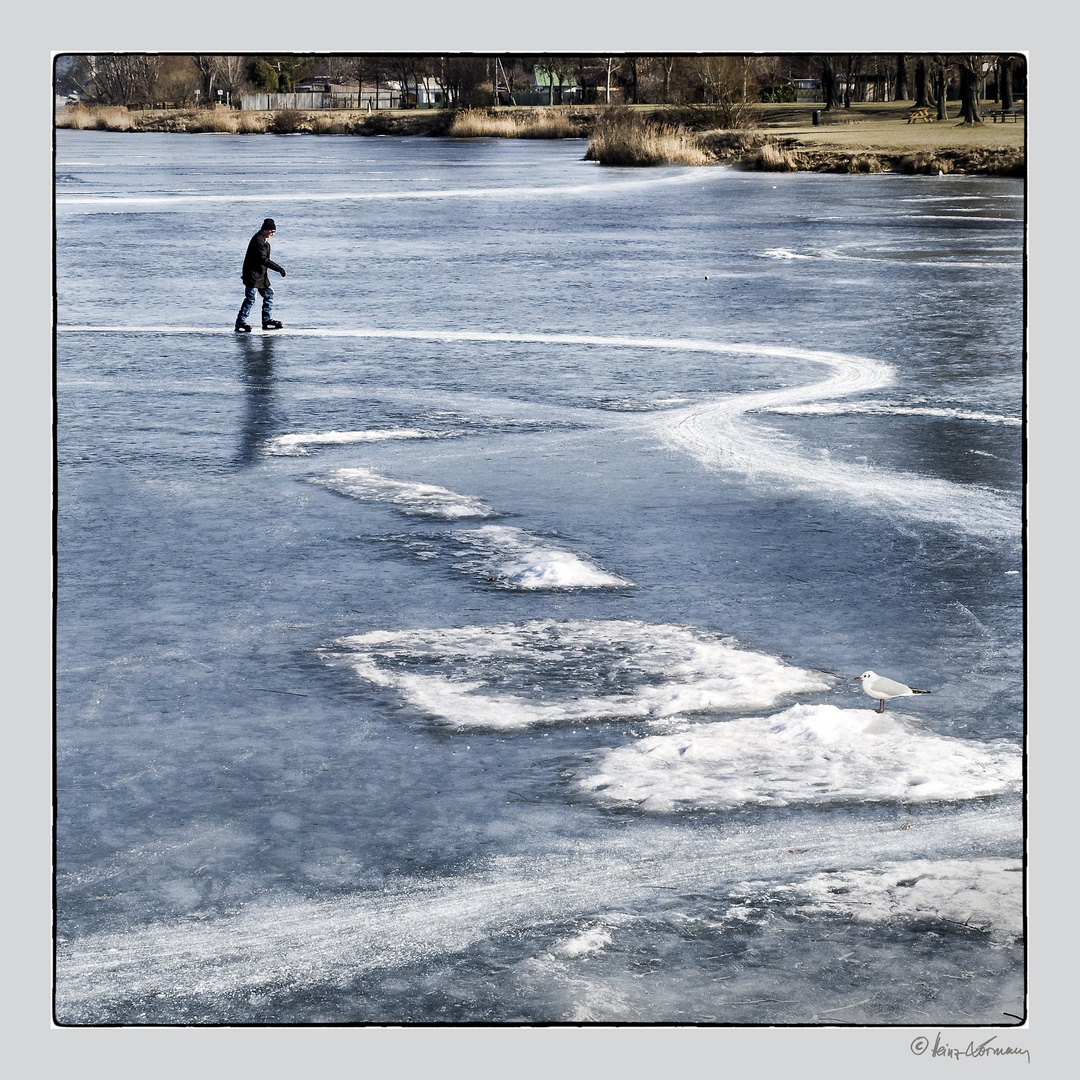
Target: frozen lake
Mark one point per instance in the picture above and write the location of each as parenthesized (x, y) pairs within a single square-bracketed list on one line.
[(479, 647)]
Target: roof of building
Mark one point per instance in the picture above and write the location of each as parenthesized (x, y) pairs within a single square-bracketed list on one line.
[(542, 77)]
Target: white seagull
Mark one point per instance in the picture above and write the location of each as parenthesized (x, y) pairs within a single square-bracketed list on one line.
[(877, 686)]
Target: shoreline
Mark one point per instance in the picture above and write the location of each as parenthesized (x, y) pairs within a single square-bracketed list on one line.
[(863, 139)]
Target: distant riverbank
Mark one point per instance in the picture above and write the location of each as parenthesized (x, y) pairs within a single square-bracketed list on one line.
[(779, 138)]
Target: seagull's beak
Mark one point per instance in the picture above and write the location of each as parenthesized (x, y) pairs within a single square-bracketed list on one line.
[(857, 678)]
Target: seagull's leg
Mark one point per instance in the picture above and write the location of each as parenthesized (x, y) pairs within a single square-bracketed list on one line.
[(881, 705)]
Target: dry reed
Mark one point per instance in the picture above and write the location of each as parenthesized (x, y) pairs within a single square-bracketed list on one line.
[(96, 118), (622, 137), (534, 124), (548, 124), (477, 124), (773, 158)]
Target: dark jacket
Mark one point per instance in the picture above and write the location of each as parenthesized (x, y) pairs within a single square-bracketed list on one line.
[(257, 261)]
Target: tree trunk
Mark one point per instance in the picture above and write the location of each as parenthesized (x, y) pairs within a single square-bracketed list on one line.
[(921, 100), (969, 95), (828, 83), (901, 78), (941, 89), (1005, 68)]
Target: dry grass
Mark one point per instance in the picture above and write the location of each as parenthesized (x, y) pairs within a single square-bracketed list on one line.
[(549, 124), (892, 136), (117, 118), (480, 124), (220, 120), (773, 158), (532, 124), (621, 137), (96, 118), (328, 124), (253, 123)]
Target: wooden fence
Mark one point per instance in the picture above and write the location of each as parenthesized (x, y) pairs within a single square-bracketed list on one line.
[(384, 98)]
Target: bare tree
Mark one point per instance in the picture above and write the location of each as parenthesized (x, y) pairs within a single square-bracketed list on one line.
[(232, 73), (548, 64), (900, 91), (722, 83), (178, 80), (632, 66), (610, 64), (971, 67), (940, 81), (1006, 66), (401, 66), (922, 101), (464, 78), (828, 82), (208, 66), (121, 78)]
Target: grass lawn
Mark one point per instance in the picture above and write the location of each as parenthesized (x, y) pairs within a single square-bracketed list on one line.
[(884, 127)]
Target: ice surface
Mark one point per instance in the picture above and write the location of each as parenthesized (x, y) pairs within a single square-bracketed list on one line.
[(410, 497), (393, 191), (717, 432), (805, 754), (569, 905), (485, 674), (248, 831)]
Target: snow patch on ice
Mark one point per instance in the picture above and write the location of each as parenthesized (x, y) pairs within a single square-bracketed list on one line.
[(979, 894), (884, 408), (783, 253), (295, 444), (520, 560), (511, 676), (589, 941), (410, 497), (807, 754)]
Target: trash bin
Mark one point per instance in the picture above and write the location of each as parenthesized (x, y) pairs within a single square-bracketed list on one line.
[(817, 117)]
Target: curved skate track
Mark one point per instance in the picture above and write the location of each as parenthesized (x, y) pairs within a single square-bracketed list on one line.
[(720, 433)]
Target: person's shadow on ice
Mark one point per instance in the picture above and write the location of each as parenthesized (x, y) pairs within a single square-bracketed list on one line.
[(257, 378)]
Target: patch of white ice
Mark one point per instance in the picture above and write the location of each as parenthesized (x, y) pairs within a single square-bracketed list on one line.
[(808, 754), (546, 672)]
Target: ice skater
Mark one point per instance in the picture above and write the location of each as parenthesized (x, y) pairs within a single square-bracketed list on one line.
[(257, 263)]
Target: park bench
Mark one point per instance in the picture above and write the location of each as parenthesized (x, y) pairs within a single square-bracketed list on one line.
[(1005, 114), (920, 115)]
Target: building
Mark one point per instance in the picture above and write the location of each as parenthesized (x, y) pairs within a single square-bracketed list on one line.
[(546, 87), (347, 94)]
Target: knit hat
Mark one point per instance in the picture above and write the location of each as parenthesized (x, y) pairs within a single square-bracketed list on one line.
[(269, 224)]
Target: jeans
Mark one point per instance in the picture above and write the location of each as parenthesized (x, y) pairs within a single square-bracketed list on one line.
[(249, 300)]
